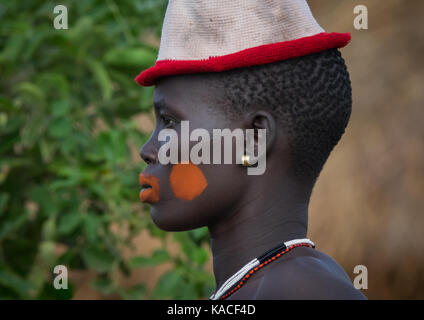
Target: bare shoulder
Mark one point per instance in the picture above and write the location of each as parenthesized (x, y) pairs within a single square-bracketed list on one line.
[(306, 273)]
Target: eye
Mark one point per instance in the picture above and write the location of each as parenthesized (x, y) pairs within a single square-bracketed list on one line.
[(168, 121)]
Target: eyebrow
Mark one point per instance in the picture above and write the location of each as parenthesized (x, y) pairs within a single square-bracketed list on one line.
[(161, 105)]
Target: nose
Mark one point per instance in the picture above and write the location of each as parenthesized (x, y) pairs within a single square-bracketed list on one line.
[(148, 152)]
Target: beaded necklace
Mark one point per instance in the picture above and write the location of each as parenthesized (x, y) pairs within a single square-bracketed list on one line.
[(240, 277)]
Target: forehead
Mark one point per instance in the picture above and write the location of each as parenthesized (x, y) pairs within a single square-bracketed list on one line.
[(188, 94)]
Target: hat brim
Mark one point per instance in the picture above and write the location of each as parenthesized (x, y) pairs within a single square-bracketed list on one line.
[(259, 55)]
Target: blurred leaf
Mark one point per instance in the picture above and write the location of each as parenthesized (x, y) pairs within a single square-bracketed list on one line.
[(187, 291), (49, 228), (102, 78), (200, 255), (56, 85), (158, 257), (168, 284), (199, 235), (13, 49), (60, 107), (34, 42), (136, 292), (59, 128), (130, 57), (14, 282), (104, 285), (6, 104), (69, 223), (47, 150), (4, 198), (92, 224), (32, 90), (146, 98), (12, 224), (97, 259), (80, 29)]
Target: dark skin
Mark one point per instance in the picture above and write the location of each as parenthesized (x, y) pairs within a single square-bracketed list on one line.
[(245, 214)]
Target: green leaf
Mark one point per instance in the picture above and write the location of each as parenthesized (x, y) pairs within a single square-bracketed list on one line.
[(3, 119), (60, 128), (44, 197), (136, 292), (146, 98), (130, 57), (186, 291), (4, 198), (97, 259), (33, 43), (112, 144), (47, 150), (92, 223), (200, 256), (13, 49), (69, 223), (104, 285), (49, 228), (6, 104), (46, 253), (60, 107), (158, 257), (32, 90), (12, 224), (102, 78), (14, 282), (199, 235), (168, 284)]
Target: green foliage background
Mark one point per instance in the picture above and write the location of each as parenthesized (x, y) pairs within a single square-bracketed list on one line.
[(63, 178)]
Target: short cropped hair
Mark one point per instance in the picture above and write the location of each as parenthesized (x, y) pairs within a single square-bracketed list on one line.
[(311, 97)]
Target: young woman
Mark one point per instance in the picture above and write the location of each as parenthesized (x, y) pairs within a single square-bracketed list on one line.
[(293, 85)]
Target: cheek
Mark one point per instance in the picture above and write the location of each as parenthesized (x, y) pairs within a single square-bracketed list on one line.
[(187, 181)]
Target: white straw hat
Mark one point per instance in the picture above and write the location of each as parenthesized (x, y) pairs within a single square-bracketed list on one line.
[(217, 35)]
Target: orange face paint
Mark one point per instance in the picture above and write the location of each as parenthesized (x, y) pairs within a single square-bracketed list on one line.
[(150, 195), (187, 181)]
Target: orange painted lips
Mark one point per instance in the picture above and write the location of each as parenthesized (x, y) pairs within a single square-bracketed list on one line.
[(150, 191)]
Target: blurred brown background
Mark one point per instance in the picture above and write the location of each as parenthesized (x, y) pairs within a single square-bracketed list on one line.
[(368, 204), (367, 207)]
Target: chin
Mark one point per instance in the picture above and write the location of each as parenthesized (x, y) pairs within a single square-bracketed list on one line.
[(159, 218), (165, 219), (171, 220)]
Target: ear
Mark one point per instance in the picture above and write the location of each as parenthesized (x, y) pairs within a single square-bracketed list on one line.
[(264, 120)]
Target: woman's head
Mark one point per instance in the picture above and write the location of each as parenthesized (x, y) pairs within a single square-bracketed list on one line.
[(303, 103)]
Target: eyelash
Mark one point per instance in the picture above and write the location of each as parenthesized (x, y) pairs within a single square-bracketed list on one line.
[(168, 121)]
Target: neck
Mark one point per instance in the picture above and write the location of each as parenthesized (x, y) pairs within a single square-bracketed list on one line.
[(260, 223)]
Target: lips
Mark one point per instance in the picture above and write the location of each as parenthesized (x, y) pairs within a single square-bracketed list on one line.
[(150, 188)]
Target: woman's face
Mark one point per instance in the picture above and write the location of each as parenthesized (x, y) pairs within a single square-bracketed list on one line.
[(188, 196)]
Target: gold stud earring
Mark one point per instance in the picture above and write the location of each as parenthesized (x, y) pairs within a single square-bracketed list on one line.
[(245, 160)]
